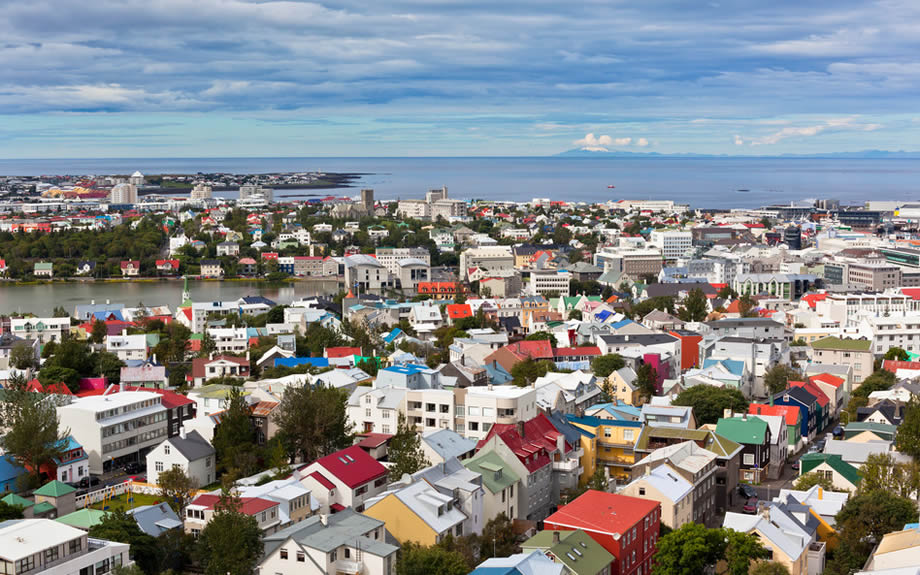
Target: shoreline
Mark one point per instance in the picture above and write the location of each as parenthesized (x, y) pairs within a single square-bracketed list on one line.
[(148, 280)]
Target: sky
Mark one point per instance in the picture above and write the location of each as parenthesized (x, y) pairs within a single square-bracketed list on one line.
[(212, 78)]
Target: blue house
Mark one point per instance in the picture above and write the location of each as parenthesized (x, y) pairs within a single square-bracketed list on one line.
[(10, 471), (299, 361), (808, 403)]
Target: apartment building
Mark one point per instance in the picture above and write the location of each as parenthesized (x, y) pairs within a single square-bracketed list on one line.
[(492, 259), (116, 428), (673, 244), (43, 329), (414, 209), (550, 283), (500, 483), (390, 257), (375, 410), (477, 409), (858, 353), (873, 276), (430, 409), (847, 309), (364, 272), (633, 262), (52, 548), (692, 463)]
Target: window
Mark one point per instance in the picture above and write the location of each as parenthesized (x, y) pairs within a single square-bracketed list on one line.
[(628, 434), (52, 554), (74, 546), (301, 557), (158, 466), (166, 449), (749, 459), (367, 412), (207, 461), (386, 428), (284, 554), (333, 556), (641, 493)]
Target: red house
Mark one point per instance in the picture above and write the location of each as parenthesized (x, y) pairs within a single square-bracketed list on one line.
[(625, 526), (689, 347)]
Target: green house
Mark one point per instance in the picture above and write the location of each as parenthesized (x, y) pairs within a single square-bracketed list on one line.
[(574, 549)]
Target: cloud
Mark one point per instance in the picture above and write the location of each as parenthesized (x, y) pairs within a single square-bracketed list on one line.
[(601, 143), (642, 142), (738, 140), (833, 125)]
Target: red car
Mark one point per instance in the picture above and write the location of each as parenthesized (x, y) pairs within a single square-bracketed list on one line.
[(751, 505)]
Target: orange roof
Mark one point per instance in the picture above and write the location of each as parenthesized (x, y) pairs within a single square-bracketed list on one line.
[(791, 413), (813, 389), (828, 379), (459, 310), (812, 299)]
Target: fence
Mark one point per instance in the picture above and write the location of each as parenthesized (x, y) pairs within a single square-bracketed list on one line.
[(109, 491)]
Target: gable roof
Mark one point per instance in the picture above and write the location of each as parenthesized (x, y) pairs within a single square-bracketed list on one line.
[(603, 512), (193, 446), (747, 430), (810, 461), (352, 466), (790, 412), (575, 549), (496, 473)]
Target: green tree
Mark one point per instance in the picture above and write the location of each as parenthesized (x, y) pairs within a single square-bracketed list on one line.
[(99, 332), (497, 538), (542, 335), (121, 527), (727, 293), (405, 450), (778, 377), (768, 568), (709, 402), (575, 314), (604, 365), (746, 305), (416, 559), (687, 551), (809, 480), (897, 354), (55, 374), (646, 381), (235, 437), (907, 439), (33, 437), (208, 345), (696, 306), (177, 488), (529, 370), (22, 356), (312, 421), (230, 544), (8, 511), (275, 315), (740, 550), (109, 365)]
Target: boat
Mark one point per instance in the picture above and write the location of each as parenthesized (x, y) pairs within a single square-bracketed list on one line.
[(610, 187), (743, 190)]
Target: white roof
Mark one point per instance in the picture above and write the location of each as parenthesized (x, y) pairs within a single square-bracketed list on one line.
[(667, 481), (20, 538), (112, 400), (686, 455), (424, 500)]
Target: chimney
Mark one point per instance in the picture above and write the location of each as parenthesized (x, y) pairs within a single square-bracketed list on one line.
[(560, 443), (124, 331), (520, 428), (555, 537), (324, 519), (820, 492), (182, 432), (154, 358), (211, 355)]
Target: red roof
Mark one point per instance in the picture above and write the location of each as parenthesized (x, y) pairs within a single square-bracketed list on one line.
[(321, 479), (791, 413), (577, 351), (828, 379), (459, 310), (812, 299), (172, 263), (169, 399), (372, 440), (339, 352), (537, 349), (353, 466), (893, 365), (602, 512), (533, 448), (132, 263), (336, 507), (812, 389), (718, 287), (199, 364), (914, 293), (248, 505)]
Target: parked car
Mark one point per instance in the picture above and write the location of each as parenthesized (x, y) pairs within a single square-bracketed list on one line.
[(795, 465), (87, 482), (746, 490), (132, 468), (751, 505)]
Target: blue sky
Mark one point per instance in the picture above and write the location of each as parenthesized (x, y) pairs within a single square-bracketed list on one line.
[(137, 78)]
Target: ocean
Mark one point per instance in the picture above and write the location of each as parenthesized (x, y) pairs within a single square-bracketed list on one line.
[(700, 182)]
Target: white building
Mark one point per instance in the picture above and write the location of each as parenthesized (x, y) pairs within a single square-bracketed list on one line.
[(549, 282), (123, 194), (494, 258), (375, 410), (672, 243), (390, 257), (477, 409), (44, 329), (127, 347), (115, 428), (201, 191), (51, 548), (189, 451)]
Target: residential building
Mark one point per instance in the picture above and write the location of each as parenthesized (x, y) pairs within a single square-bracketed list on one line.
[(627, 527), (549, 283), (215, 366), (43, 329), (673, 244), (211, 269), (53, 548), (127, 347), (364, 272), (43, 270), (664, 485), (790, 287), (444, 444), (500, 483), (788, 541), (856, 353), (873, 276), (375, 410), (390, 257), (418, 512), (116, 428), (492, 259), (130, 268), (615, 443), (122, 194), (581, 554), (897, 553), (478, 409), (754, 435), (533, 563), (346, 478), (346, 542), (188, 451), (202, 508)]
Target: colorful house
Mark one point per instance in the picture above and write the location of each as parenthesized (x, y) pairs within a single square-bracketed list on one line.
[(574, 549), (754, 435), (614, 443), (793, 417), (842, 475)]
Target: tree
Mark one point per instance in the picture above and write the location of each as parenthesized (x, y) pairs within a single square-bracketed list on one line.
[(208, 345), (416, 559), (8, 511), (897, 354), (604, 365), (231, 543), (542, 335), (727, 293), (99, 332), (778, 377), (740, 550), (746, 305), (768, 568), (34, 437), (121, 527), (498, 538), (55, 374), (22, 356), (646, 381), (529, 370), (709, 403), (108, 365), (177, 488), (312, 421), (275, 315), (696, 306), (575, 314), (908, 438), (809, 480), (405, 450), (235, 437), (693, 549)]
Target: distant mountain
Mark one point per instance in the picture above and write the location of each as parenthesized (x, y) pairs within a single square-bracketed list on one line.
[(865, 154)]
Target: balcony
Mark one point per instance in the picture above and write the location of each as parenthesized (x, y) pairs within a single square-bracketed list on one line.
[(566, 465), (349, 567)]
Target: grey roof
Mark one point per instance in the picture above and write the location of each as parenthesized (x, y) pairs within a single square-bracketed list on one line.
[(342, 528), (673, 289), (856, 453), (155, 519), (447, 443), (742, 322), (411, 262), (193, 446), (638, 338), (362, 260)]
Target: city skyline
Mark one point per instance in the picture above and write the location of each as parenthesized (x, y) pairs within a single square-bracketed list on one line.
[(231, 78)]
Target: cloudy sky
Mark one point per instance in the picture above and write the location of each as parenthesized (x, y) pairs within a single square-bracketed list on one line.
[(136, 78)]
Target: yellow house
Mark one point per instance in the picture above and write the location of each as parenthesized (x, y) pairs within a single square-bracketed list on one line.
[(418, 512), (621, 386), (613, 446)]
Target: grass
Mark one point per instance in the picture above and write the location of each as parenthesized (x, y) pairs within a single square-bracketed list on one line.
[(121, 501)]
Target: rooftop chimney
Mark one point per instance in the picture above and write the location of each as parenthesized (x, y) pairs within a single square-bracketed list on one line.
[(555, 537), (182, 432)]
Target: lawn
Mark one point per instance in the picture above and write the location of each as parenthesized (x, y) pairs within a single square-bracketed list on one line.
[(121, 501)]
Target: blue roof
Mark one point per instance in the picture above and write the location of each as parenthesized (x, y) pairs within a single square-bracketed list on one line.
[(104, 315), (732, 365), (619, 408), (406, 369), (603, 315), (595, 421), (392, 335), (9, 469), (621, 323), (298, 361)]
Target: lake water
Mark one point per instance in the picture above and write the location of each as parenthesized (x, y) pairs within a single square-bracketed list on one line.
[(42, 299), (701, 182)]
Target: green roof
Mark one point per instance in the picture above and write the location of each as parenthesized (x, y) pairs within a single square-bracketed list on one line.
[(721, 446), (750, 430), (840, 343), (810, 461), (43, 265), (590, 559), (42, 508), (570, 301), (487, 464), (54, 489), (82, 519), (17, 500), (883, 430)]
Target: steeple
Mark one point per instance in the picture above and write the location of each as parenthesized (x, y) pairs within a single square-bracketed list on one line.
[(186, 295)]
